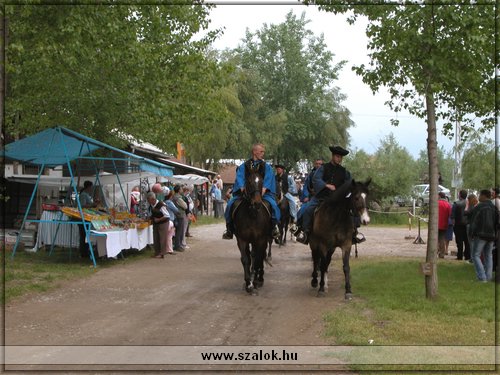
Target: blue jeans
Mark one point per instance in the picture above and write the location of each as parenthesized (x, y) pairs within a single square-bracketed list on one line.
[(275, 211), (307, 213), (292, 205), (483, 272)]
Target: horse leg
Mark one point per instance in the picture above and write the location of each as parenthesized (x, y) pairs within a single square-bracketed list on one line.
[(246, 262), (280, 226), (259, 265), (326, 258), (259, 274), (269, 256), (346, 253), (314, 275)]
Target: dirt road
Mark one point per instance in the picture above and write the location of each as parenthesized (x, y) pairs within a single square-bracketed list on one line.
[(193, 298)]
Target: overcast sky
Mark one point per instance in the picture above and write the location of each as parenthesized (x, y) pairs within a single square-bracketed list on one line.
[(347, 42)]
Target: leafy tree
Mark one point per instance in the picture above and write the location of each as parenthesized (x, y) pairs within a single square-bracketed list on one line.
[(432, 58), (478, 164), (445, 166), (360, 164), (394, 169), (97, 68), (290, 102)]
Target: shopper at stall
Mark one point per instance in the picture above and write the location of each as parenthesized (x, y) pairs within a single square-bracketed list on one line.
[(86, 201), (135, 198), (180, 231), (161, 225)]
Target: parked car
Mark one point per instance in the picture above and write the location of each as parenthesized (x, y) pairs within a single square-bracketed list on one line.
[(421, 193), (403, 200)]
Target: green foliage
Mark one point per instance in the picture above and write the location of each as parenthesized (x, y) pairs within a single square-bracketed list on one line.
[(446, 163), (478, 164), (285, 86), (392, 169), (391, 309), (443, 49), (432, 57), (96, 68)]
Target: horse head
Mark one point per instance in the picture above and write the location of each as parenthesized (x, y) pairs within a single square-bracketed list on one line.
[(359, 194), (254, 179)]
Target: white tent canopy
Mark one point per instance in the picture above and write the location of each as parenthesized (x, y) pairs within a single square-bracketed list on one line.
[(57, 181), (185, 179)]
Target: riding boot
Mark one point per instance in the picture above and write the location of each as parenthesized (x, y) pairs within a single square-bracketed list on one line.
[(228, 234), (303, 237), (276, 232), (358, 237), (294, 229)]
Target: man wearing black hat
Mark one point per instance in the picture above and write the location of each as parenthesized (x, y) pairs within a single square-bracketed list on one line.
[(282, 179), (327, 178)]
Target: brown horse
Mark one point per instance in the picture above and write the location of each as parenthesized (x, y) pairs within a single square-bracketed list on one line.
[(253, 228), (334, 227), (284, 207)]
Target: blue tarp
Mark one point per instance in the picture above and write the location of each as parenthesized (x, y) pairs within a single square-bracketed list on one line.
[(59, 145)]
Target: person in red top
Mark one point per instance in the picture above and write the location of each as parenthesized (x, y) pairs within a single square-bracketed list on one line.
[(444, 215)]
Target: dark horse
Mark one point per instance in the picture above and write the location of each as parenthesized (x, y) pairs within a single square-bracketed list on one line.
[(333, 227), (284, 207), (253, 227)]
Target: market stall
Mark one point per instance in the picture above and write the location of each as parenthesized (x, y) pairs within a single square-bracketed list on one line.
[(60, 146)]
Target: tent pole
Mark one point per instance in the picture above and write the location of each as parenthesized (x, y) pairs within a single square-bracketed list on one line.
[(80, 210), (33, 194)]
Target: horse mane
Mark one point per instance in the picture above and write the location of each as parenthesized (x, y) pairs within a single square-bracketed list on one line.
[(249, 168), (339, 195)]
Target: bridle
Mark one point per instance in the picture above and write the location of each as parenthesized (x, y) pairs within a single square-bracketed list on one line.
[(253, 187)]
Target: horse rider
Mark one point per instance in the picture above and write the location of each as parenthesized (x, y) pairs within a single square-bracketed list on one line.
[(268, 190), (327, 178), (287, 184), (308, 189), (307, 193)]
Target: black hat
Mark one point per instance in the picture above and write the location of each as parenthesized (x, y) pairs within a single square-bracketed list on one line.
[(279, 166), (337, 150)]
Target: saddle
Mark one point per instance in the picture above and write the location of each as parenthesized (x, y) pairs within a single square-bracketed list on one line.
[(238, 202)]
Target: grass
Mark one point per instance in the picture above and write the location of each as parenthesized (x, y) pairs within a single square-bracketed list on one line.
[(391, 307), (38, 272), (395, 216), (206, 219)]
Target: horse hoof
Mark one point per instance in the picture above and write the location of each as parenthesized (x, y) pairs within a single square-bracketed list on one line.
[(249, 289), (314, 283), (348, 296), (321, 294), (259, 284)]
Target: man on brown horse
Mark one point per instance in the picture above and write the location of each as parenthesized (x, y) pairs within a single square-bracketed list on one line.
[(283, 181), (327, 178)]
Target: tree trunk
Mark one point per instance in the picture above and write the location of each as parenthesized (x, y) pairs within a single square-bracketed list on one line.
[(431, 281)]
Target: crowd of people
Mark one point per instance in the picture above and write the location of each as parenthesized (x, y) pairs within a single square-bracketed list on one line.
[(475, 222), (171, 212)]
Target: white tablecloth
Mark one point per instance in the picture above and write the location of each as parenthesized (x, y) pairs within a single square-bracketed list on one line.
[(111, 243), (67, 235)]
